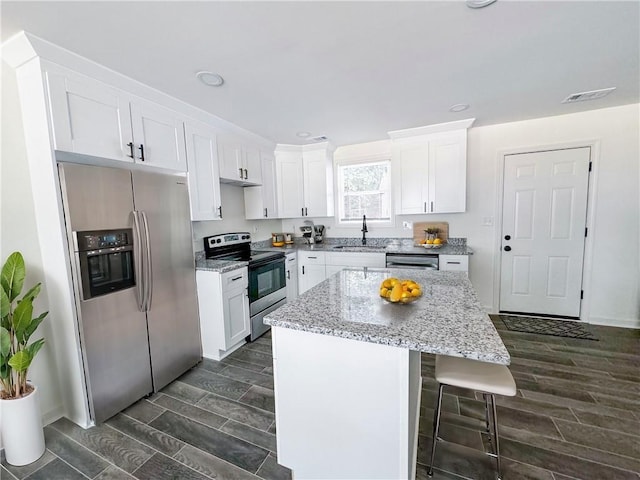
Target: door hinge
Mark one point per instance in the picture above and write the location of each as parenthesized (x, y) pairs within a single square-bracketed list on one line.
[(586, 230), (581, 294), (590, 165)]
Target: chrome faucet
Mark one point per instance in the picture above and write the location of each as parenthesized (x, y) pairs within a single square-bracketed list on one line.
[(364, 230)]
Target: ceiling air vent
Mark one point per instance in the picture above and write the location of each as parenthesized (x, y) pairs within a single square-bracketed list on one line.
[(592, 95), (319, 138)]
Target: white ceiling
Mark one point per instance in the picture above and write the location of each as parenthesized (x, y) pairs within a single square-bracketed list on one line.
[(355, 70)]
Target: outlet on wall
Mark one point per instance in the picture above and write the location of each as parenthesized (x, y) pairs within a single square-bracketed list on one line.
[(256, 228), (407, 225)]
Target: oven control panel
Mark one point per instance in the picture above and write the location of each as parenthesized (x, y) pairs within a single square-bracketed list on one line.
[(98, 239)]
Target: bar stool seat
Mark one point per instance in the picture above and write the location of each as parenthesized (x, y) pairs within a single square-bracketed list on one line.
[(488, 378), (474, 375)]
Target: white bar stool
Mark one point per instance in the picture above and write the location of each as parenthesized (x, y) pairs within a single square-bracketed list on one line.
[(489, 378)]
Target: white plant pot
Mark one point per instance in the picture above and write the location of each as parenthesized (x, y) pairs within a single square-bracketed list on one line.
[(22, 432)]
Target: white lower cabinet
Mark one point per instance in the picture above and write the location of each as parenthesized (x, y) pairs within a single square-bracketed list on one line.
[(311, 270), (223, 302), (291, 266), (454, 263)]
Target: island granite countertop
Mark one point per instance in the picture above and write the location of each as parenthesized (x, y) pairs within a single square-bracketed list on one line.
[(447, 319)]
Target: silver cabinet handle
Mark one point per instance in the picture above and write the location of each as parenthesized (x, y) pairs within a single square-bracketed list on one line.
[(432, 207), (425, 207), (313, 258), (453, 263)]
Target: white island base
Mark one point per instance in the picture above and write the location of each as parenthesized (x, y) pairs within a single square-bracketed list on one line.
[(345, 409)]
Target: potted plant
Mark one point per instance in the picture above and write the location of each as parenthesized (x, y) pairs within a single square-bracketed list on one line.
[(22, 433)]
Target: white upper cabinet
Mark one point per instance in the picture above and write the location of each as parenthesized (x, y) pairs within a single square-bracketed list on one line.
[(290, 184), (304, 177), (89, 117), (431, 169), (202, 160), (92, 118), (158, 135), (239, 161), (260, 202)]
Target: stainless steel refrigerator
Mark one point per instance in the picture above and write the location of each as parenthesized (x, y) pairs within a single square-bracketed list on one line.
[(134, 280)]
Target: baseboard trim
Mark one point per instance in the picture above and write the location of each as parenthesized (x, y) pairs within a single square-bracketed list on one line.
[(615, 322), (52, 415)]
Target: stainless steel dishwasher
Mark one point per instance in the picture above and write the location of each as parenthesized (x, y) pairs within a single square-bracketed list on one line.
[(412, 260)]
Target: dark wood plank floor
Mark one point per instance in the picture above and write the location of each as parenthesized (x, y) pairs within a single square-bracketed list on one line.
[(576, 416)]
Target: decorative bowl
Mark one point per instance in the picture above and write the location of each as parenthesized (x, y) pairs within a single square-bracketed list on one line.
[(409, 290)]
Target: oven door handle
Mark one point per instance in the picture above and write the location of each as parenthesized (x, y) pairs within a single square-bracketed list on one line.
[(138, 260), (149, 271)]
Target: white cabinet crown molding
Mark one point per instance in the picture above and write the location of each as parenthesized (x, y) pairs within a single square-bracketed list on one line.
[(431, 129)]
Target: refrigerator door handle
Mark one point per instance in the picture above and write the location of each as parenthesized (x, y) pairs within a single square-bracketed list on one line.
[(149, 273), (139, 261)]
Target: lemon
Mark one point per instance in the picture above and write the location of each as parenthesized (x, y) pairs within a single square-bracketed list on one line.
[(396, 292), (437, 241), (429, 241), (384, 292)]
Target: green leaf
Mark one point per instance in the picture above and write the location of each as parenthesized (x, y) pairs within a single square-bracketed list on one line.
[(5, 303), (33, 293), (35, 323), (5, 342), (35, 347), (20, 361), (5, 371), (22, 317), (13, 272)]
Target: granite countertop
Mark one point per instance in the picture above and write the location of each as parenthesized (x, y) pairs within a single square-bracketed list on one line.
[(219, 266), (374, 245), (447, 319)]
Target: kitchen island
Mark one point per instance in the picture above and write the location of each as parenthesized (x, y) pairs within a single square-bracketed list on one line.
[(347, 369)]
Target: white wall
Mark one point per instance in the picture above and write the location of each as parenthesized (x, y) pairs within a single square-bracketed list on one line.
[(612, 294), (233, 220), (18, 231)]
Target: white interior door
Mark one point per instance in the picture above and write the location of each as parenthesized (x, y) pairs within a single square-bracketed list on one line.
[(543, 230)]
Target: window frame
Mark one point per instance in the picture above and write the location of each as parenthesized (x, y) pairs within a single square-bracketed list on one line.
[(339, 191)]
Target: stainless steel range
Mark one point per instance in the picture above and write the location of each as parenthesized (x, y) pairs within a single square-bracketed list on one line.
[(267, 281)]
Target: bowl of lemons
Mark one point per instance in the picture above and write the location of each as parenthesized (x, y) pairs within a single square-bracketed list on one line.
[(394, 290)]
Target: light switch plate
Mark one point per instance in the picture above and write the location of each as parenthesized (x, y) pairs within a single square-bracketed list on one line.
[(407, 225)]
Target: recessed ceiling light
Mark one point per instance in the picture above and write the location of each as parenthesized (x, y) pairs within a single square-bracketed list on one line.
[(459, 107), (209, 78), (479, 3), (303, 134)]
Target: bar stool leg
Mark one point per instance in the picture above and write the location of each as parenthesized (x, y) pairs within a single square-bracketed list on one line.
[(436, 427), (495, 435)]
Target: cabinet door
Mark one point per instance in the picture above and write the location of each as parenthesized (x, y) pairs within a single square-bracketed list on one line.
[(89, 117), (289, 180), (412, 187), (158, 136), (318, 201), (236, 316), (230, 159), (260, 202), (309, 276), (252, 165), (448, 173), (291, 266), (202, 162)]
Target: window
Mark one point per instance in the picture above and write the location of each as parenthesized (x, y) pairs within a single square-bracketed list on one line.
[(364, 189)]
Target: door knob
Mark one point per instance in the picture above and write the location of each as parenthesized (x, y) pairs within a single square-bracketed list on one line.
[(507, 248), (507, 237)]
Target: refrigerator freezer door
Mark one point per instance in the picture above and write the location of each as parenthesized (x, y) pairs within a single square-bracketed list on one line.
[(114, 337), (112, 329), (172, 317)]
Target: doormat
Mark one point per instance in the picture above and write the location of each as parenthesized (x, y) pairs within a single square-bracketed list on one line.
[(547, 326)]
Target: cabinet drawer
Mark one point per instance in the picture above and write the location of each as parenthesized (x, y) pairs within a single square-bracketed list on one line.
[(311, 258), (459, 263), (356, 259), (235, 279)]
